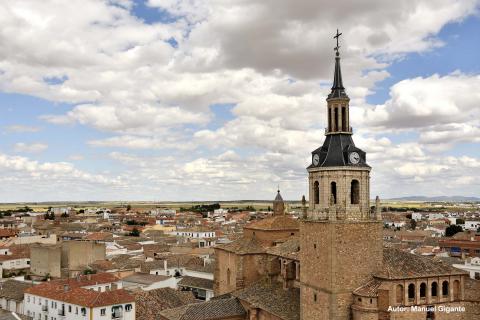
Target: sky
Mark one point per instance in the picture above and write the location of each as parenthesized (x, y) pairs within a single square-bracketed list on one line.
[(183, 100)]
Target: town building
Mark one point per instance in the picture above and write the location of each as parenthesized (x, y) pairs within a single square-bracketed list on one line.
[(11, 295), (92, 297), (67, 258)]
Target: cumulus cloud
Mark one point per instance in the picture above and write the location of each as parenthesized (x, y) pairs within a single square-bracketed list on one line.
[(151, 86), (22, 147), (19, 174)]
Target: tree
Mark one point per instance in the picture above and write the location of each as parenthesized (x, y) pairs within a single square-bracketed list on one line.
[(89, 271), (413, 224), (459, 221), (64, 215), (452, 230), (129, 207), (135, 233)]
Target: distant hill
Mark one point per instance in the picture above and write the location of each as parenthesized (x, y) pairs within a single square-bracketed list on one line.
[(438, 199)]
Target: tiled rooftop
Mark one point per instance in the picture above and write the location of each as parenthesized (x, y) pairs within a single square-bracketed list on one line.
[(211, 310), (272, 298), (195, 282), (401, 265)]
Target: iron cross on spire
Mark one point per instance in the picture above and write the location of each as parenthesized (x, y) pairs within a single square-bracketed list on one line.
[(337, 36)]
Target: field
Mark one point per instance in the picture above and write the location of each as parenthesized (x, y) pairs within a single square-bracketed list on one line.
[(242, 204)]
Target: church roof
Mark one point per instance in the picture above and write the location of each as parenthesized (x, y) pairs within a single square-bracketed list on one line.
[(370, 289), (272, 298), (335, 150), (338, 91), (403, 265), (243, 246), (281, 222), (279, 196), (289, 249), (210, 310)]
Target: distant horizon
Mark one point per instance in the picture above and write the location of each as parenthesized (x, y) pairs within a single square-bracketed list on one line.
[(233, 200)]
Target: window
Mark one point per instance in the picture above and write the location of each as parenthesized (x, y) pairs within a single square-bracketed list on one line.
[(434, 289), (314, 297), (333, 192), (103, 311), (423, 290), (84, 311), (330, 119), (445, 288), (355, 192), (228, 276), (336, 119), (344, 119), (128, 307), (399, 293), (411, 291), (316, 192)]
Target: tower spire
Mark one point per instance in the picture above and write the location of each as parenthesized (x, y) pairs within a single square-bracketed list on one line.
[(338, 90)]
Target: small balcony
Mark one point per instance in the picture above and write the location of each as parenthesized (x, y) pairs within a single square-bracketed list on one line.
[(45, 308), (61, 312), (117, 315)]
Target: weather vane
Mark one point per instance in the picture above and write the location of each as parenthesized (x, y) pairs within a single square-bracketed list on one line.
[(337, 36)]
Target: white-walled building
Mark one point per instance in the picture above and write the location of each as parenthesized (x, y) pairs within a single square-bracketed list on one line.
[(472, 225), (417, 216), (13, 258), (11, 295), (433, 216), (472, 266), (147, 281), (96, 296)]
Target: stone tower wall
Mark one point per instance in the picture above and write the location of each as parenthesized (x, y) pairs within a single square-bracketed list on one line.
[(336, 257), (343, 177)]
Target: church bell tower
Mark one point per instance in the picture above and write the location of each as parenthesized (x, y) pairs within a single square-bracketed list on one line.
[(340, 238)]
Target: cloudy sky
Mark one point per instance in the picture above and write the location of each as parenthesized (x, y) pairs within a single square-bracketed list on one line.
[(225, 99)]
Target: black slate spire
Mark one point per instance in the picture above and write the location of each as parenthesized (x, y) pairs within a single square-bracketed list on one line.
[(338, 90)]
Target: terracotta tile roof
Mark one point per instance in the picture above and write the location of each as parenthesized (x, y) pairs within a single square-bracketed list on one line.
[(195, 282), (102, 265), (99, 236), (243, 246), (289, 249), (81, 296), (149, 303), (272, 298), (72, 283), (284, 222), (403, 265), (145, 278), (211, 310), (17, 252), (370, 289), (8, 232), (13, 289)]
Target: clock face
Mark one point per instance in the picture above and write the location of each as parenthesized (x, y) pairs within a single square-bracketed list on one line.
[(316, 159), (354, 157)]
